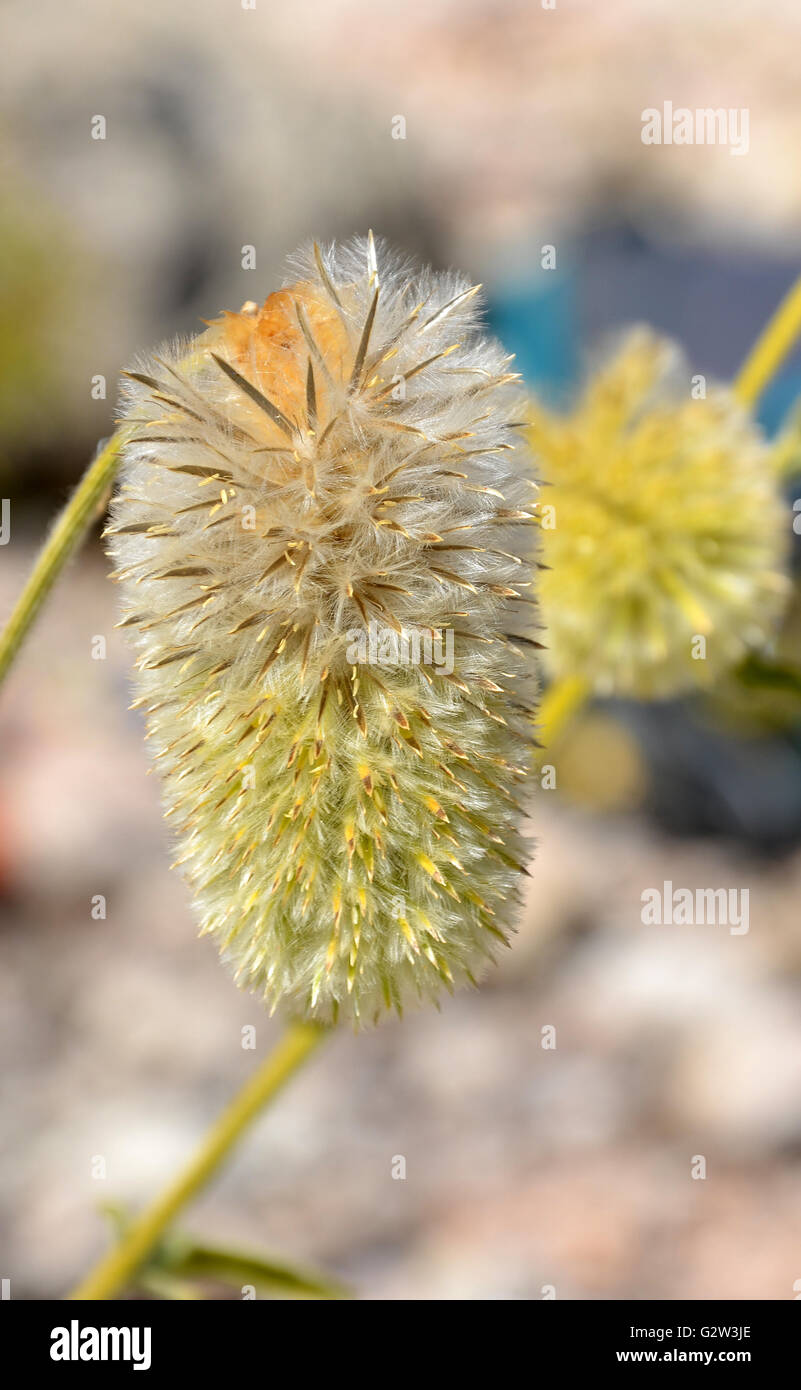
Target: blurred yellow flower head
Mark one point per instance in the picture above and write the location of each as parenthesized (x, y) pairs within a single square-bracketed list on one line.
[(663, 528)]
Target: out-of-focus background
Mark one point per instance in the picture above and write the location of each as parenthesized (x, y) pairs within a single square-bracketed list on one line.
[(475, 133)]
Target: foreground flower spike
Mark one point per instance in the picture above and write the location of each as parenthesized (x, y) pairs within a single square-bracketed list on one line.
[(663, 529), (321, 535)]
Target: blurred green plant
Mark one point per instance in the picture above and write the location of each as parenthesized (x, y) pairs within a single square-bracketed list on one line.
[(31, 301), (181, 1267)]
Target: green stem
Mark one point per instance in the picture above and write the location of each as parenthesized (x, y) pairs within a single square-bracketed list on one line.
[(772, 346), (64, 538), (116, 1268)]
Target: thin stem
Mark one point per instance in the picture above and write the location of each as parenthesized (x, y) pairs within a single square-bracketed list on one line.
[(560, 702), (64, 538), (770, 348), (116, 1268)]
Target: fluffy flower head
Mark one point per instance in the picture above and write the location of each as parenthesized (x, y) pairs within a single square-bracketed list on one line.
[(320, 535), (663, 528)]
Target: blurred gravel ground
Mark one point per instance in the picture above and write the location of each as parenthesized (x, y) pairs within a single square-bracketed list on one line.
[(525, 1167)]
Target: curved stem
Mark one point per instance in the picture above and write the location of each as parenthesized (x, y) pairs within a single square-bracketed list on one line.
[(116, 1268), (560, 702), (772, 346), (64, 538)]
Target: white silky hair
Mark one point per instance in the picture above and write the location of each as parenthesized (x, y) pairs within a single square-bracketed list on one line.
[(309, 796)]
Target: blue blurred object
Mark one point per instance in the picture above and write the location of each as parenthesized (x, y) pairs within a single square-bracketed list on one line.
[(535, 318), (612, 275), (781, 395)]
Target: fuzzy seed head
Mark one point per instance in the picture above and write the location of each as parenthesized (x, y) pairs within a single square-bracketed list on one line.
[(662, 526), (323, 499)]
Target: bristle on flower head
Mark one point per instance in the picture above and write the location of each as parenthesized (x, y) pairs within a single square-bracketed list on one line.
[(322, 534), (664, 532)]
